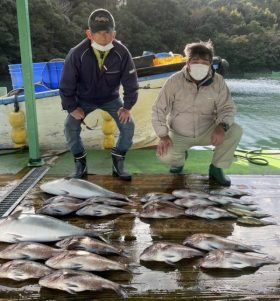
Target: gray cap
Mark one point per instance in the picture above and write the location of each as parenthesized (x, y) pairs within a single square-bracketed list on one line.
[(101, 19)]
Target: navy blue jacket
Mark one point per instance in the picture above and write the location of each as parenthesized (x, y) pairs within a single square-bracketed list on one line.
[(82, 79)]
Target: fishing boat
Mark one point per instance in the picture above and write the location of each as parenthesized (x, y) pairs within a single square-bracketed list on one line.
[(152, 70)]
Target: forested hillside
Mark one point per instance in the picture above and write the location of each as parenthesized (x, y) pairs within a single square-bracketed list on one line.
[(245, 32)]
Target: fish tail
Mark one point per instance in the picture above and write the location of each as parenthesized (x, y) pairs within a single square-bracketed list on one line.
[(132, 268), (120, 290)]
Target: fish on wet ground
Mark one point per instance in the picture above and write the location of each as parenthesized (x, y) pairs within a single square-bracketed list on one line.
[(84, 261), (62, 199), (223, 200), (75, 281), (161, 210), (163, 196), (79, 189), (89, 244), (161, 203), (245, 212), (190, 202), (108, 201), (240, 206), (208, 242), (209, 212), (60, 209), (28, 250), (168, 252), (252, 221), (229, 192), (101, 210), (23, 269), (38, 228), (185, 193), (227, 259)]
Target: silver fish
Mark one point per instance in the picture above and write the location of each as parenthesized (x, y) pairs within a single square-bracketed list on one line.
[(247, 220), (60, 209), (210, 242), (62, 199), (75, 281), (100, 210), (161, 203), (190, 202), (151, 196), (225, 259), (209, 212), (28, 250), (156, 210), (37, 228), (84, 261), (168, 252), (108, 201), (89, 244), (223, 200), (23, 269), (185, 193), (229, 192), (244, 212), (241, 206), (79, 189)]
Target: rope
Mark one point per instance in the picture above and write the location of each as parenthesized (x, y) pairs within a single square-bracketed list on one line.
[(255, 156)]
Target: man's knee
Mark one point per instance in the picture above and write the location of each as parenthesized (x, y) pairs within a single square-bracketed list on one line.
[(235, 131), (172, 160), (127, 128)]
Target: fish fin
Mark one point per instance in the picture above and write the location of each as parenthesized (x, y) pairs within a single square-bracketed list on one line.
[(18, 276), (15, 237), (170, 262), (16, 215), (65, 193), (132, 268), (120, 290), (70, 287), (76, 246), (77, 266), (124, 253)]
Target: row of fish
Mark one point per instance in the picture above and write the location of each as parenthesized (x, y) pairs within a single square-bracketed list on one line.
[(71, 281), (75, 257), (217, 204), (223, 253), (102, 202)]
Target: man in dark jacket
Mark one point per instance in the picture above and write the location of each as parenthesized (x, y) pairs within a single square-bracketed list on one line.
[(91, 78)]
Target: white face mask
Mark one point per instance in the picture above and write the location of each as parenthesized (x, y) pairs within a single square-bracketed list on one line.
[(198, 71), (100, 47)]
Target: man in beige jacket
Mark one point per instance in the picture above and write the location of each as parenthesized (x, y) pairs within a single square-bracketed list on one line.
[(194, 108)]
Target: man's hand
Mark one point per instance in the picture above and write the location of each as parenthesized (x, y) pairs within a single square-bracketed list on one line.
[(218, 135), (124, 115), (78, 114), (164, 144)]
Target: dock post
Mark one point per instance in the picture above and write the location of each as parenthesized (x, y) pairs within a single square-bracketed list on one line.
[(26, 59)]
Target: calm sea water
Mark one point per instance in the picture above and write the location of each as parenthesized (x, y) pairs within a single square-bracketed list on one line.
[(258, 107)]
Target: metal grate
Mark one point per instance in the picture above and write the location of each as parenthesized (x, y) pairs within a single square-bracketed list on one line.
[(10, 200)]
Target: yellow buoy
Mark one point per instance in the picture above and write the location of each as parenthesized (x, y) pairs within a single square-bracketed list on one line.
[(17, 119), (108, 141), (18, 134), (108, 127), (106, 116)]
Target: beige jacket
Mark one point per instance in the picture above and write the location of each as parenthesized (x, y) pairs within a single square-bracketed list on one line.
[(189, 109)]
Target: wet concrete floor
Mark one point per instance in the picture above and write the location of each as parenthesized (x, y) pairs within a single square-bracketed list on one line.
[(184, 281)]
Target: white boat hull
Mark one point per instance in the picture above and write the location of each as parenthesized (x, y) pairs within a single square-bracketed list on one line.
[(50, 120)]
